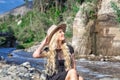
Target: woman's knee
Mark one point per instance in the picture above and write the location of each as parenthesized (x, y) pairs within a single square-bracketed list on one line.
[(71, 71), (72, 75), (80, 78)]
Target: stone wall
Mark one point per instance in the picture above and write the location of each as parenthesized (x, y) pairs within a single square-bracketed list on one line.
[(100, 36), (108, 37)]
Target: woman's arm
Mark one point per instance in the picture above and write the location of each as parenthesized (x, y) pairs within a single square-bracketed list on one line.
[(72, 56), (73, 61), (39, 50)]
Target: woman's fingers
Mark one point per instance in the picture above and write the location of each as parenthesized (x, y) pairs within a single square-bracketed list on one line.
[(46, 40)]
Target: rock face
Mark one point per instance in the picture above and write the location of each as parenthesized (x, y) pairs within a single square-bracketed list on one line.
[(108, 40), (100, 35), (78, 40)]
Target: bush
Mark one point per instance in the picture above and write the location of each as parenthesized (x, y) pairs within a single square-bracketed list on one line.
[(117, 11)]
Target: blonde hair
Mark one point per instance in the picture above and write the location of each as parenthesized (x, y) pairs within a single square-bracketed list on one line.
[(51, 61)]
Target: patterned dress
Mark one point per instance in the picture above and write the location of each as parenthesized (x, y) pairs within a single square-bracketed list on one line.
[(61, 75)]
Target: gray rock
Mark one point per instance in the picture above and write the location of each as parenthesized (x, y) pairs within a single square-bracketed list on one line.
[(19, 72), (110, 79), (26, 64)]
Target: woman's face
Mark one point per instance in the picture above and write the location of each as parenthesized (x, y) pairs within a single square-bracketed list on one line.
[(61, 35)]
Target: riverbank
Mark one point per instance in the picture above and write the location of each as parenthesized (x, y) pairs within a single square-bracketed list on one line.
[(18, 72), (89, 70), (20, 64)]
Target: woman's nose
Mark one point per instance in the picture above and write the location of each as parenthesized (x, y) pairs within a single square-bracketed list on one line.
[(63, 33)]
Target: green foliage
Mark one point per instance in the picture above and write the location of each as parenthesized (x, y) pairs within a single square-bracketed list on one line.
[(68, 33), (20, 46), (91, 13), (75, 9), (90, 9), (31, 29), (88, 0), (72, 8), (117, 10), (34, 24), (2, 40), (3, 27), (91, 1), (80, 1), (11, 17), (53, 14), (25, 45)]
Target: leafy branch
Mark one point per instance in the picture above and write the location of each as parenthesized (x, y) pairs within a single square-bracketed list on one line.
[(117, 10)]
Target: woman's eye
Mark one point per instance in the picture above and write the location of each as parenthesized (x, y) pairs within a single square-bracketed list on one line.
[(60, 31)]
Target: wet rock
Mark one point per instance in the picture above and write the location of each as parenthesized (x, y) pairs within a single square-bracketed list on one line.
[(1, 58), (116, 58), (10, 55), (26, 64)]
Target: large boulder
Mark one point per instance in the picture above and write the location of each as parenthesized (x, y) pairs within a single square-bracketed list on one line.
[(101, 35)]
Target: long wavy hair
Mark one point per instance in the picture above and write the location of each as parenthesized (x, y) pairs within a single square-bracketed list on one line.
[(51, 60)]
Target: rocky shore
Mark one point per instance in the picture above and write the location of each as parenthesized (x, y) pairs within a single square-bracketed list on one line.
[(90, 68), (19, 72)]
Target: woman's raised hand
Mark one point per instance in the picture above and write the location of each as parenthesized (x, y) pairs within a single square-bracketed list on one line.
[(38, 51), (45, 41)]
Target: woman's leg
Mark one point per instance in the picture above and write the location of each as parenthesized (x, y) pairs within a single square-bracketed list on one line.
[(80, 78), (72, 75)]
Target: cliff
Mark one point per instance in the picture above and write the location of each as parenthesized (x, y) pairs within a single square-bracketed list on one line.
[(99, 35)]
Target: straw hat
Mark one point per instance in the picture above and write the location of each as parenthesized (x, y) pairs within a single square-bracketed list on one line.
[(54, 29)]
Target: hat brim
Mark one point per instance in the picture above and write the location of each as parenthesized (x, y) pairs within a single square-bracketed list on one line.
[(61, 26)]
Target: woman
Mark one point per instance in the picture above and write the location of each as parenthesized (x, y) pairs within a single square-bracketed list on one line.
[(60, 56)]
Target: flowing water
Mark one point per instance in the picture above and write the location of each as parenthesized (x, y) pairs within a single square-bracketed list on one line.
[(90, 70)]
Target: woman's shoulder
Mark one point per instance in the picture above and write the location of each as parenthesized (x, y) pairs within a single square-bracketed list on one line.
[(71, 49)]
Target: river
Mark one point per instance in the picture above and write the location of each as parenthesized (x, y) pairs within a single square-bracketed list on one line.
[(90, 70)]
